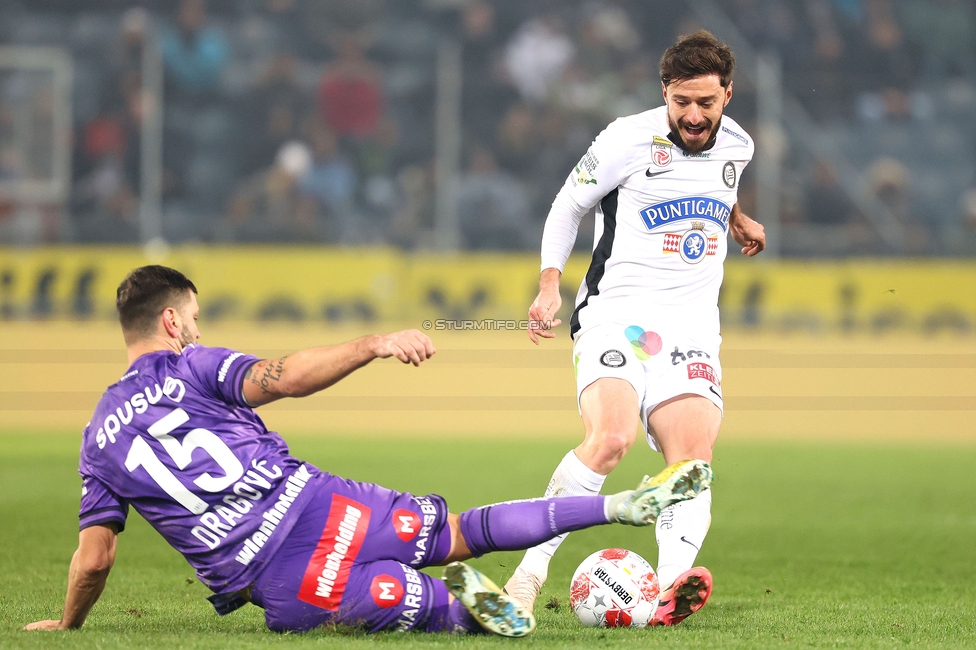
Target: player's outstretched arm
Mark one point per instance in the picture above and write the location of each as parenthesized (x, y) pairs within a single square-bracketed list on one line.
[(89, 570), (314, 369), (542, 312), (747, 232)]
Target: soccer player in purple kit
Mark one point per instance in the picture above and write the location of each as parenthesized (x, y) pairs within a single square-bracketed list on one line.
[(178, 439)]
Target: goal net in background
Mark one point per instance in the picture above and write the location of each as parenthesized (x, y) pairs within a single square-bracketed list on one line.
[(35, 143)]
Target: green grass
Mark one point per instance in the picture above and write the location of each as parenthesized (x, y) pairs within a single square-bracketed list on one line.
[(812, 545)]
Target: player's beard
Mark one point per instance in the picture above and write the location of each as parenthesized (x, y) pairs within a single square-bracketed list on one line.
[(185, 337), (700, 145)]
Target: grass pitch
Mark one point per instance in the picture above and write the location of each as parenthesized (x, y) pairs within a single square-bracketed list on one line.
[(812, 544)]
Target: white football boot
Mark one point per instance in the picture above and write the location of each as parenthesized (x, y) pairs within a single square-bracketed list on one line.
[(679, 481)]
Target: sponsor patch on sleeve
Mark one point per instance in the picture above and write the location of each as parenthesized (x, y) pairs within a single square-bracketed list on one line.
[(225, 366), (737, 136), (583, 173)]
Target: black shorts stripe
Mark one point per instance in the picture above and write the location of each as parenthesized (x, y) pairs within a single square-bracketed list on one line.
[(110, 517), (600, 256)]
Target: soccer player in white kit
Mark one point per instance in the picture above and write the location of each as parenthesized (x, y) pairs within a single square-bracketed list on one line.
[(646, 323)]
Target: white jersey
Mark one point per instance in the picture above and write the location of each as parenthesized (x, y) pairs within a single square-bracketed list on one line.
[(662, 216)]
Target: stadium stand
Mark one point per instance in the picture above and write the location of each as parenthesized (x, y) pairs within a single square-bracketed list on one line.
[(302, 121)]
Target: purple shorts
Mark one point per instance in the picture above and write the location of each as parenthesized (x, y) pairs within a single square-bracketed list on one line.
[(352, 558)]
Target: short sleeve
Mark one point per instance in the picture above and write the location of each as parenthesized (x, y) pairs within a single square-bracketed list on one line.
[(99, 505), (220, 371)]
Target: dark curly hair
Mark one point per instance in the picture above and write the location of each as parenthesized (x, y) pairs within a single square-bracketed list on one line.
[(697, 55)]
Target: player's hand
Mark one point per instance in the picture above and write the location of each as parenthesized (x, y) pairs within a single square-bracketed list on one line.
[(409, 346), (542, 313), (44, 625), (749, 234)]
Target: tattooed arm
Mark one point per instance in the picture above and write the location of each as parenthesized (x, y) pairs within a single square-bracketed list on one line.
[(309, 371)]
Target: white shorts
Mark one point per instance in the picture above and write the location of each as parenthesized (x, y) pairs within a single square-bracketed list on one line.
[(660, 363)]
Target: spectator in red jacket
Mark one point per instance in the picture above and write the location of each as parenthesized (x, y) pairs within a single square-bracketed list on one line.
[(351, 95)]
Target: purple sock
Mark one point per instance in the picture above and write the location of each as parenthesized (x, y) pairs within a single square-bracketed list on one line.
[(518, 525)]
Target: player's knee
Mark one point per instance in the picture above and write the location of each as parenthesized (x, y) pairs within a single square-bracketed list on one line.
[(618, 442), (603, 449)]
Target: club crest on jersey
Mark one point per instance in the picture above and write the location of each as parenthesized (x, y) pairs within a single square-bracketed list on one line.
[(693, 245), (697, 208), (729, 174), (661, 151)]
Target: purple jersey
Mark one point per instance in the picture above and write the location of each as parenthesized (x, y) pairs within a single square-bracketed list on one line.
[(175, 439)]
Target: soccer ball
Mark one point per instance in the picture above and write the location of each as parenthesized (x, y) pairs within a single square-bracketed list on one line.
[(614, 588)]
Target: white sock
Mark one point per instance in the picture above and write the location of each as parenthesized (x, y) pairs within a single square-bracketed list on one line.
[(571, 478), (681, 530)]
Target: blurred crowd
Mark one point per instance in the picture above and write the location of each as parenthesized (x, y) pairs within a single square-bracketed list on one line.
[(313, 120)]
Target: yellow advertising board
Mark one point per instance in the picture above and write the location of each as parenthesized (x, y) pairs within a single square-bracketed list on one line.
[(365, 285), (847, 295)]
